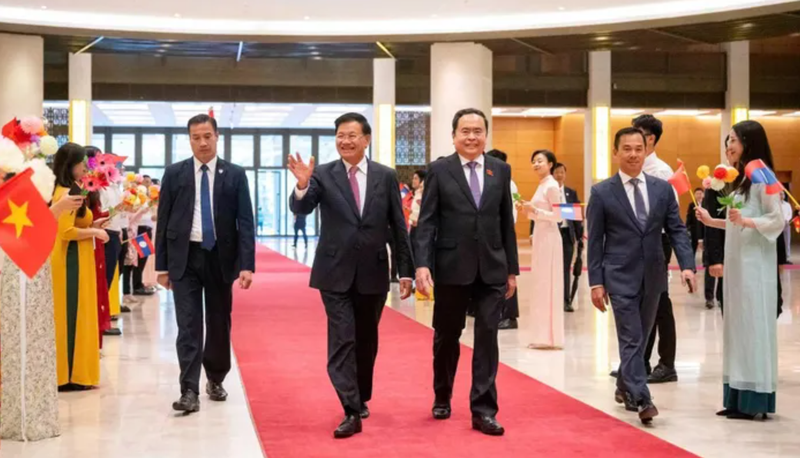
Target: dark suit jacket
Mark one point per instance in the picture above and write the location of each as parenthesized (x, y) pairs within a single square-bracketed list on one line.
[(575, 227), (352, 248), (714, 239), (466, 241), (622, 257), (233, 219)]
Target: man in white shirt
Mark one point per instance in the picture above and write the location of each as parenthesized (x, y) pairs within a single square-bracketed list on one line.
[(652, 128), (571, 232)]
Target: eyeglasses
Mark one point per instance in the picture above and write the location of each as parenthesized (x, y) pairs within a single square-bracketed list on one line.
[(351, 137)]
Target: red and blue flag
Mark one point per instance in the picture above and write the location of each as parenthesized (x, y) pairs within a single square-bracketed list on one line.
[(143, 245), (759, 173)]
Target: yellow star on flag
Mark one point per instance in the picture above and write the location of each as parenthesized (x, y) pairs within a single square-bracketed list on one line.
[(18, 217)]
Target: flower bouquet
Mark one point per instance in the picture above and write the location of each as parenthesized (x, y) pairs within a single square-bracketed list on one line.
[(25, 144), (722, 176)]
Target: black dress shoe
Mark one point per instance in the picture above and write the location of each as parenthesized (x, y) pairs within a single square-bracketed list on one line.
[(568, 307), (143, 292), (508, 324), (709, 305), (364, 411), (647, 411), (216, 392), (625, 398), (441, 411), (349, 426), (125, 309), (112, 332), (189, 402), (487, 425), (614, 373), (663, 374)]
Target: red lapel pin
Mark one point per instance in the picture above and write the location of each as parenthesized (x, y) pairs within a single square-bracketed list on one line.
[(489, 172)]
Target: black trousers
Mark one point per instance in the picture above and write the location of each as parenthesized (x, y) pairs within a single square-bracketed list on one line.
[(569, 251), (709, 287), (112, 250), (124, 271), (510, 307), (139, 269), (203, 277), (297, 231), (352, 344), (665, 322), (449, 319)]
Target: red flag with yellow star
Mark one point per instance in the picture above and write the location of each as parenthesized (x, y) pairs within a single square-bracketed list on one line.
[(27, 227)]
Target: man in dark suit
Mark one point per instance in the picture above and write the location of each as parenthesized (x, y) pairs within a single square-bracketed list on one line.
[(466, 226), (713, 249), (571, 232), (358, 200), (626, 215), (205, 241)]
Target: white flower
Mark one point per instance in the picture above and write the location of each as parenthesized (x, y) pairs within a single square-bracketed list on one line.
[(717, 185), (11, 158), (43, 178), (48, 145), (141, 189)]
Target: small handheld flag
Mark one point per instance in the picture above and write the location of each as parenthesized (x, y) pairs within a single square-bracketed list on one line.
[(758, 173), (570, 212), (144, 246), (680, 181)]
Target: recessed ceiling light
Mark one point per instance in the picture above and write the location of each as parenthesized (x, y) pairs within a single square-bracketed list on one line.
[(747, 25), (682, 113), (306, 17), (601, 38), (761, 113), (434, 15), (561, 8), (44, 7), (315, 53), (177, 14), (317, 58)]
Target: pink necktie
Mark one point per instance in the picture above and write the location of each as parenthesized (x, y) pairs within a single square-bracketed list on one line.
[(354, 187)]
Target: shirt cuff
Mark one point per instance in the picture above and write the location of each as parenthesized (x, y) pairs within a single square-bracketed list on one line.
[(300, 193), (598, 286), (406, 278)]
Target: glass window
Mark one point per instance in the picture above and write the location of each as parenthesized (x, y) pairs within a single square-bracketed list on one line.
[(99, 140), (251, 183), (153, 172), (242, 149), (271, 150), (288, 217), (124, 145), (181, 148), (327, 149), (301, 144), (221, 147), (153, 149)]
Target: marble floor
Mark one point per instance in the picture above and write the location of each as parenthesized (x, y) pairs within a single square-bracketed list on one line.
[(130, 414)]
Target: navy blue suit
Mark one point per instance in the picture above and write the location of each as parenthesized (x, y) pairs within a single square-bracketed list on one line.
[(629, 262)]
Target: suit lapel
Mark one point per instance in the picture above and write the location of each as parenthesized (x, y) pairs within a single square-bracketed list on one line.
[(457, 171), (488, 181), (219, 178), (619, 192), (340, 178), (187, 184), (372, 186)]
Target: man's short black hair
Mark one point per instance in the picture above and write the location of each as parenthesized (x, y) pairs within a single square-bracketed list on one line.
[(201, 119), (699, 189), (558, 164), (147, 176), (650, 124), (354, 117), (496, 153), (468, 111), (421, 173), (628, 131)]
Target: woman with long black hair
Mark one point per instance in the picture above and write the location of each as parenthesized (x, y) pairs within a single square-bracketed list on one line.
[(74, 278), (750, 351)]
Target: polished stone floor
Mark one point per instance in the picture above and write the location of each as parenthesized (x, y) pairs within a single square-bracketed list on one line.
[(130, 414)]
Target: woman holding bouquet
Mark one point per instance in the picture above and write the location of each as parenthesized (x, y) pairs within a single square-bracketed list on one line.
[(754, 222), (74, 278)]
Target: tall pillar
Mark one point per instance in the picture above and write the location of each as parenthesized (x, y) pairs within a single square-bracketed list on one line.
[(80, 98), (21, 76), (461, 77), (383, 101), (596, 138), (737, 97)]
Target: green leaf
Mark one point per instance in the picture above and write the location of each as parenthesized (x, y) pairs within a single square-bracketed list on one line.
[(516, 197)]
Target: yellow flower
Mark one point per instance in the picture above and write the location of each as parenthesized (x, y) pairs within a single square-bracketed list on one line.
[(130, 177), (703, 172), (732, 175)]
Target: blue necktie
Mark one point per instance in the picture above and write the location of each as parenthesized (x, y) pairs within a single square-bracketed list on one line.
[(638, 201), (205, 211)]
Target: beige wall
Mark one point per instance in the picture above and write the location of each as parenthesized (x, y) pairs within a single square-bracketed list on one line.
[(694, 140)]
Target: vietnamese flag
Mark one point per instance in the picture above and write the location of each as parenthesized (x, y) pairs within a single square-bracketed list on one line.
[(680, 180), (27, 227), (759, 173)]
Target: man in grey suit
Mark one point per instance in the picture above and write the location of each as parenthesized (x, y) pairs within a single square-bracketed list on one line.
[(358, 200), (626, 216)]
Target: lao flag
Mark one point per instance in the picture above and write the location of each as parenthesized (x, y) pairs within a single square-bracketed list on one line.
[(570, 212), (143, 246), (758, 173), (680, 180)]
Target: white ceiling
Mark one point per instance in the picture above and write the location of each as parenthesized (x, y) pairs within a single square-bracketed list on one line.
[(353, 18)]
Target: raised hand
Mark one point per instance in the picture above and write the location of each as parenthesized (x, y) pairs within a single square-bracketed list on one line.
[(300, 170)]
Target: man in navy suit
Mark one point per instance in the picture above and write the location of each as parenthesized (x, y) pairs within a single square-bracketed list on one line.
[(571, 232), (205, 241), (626, 216)]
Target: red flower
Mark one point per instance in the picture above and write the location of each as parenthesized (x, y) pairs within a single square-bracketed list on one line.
[(13, 131), (720, 173), (90, 183)]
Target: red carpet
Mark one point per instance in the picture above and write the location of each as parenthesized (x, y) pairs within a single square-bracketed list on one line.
[(279, 336)]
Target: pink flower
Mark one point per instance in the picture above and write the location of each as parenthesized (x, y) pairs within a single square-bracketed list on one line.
[(706, 182), (113, 174), (90, 183), (105, 160), (32, 125)]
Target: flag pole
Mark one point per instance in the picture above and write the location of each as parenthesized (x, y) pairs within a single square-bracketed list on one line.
[(796, 205), (691, 191)]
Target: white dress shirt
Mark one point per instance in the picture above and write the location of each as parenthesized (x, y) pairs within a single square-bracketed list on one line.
[(110, 197), (655, 167), (514, 190), (563, 192), (478, 169), (197, 216), (626, 183), (361, 178)]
